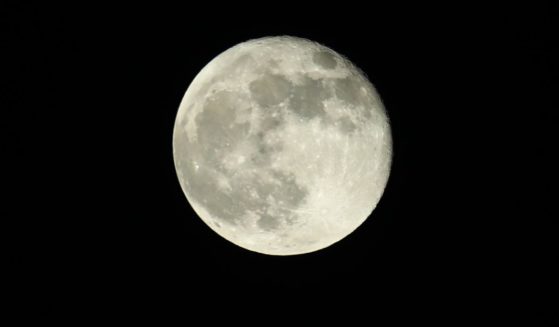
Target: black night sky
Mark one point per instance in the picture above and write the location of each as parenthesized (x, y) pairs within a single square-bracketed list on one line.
[(98, 226)]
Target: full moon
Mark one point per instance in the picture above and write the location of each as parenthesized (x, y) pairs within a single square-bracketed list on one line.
[(282, 146)]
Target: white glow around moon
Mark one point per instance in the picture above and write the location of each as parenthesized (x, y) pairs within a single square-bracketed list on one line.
[(282, 146)]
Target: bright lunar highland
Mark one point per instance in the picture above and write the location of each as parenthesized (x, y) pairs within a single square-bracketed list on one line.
[(282, 146)]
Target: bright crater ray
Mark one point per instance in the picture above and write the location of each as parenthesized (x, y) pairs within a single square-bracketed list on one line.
[(282, 146)]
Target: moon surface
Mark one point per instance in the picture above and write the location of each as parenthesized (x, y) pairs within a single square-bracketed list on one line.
[(282, 146)]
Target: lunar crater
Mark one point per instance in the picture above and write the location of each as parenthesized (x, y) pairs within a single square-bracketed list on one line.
[(324, 59)]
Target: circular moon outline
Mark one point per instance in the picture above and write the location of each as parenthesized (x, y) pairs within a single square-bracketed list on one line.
[(282, 146)]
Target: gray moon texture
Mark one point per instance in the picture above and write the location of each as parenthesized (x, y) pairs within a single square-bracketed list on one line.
[(282, 146)]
